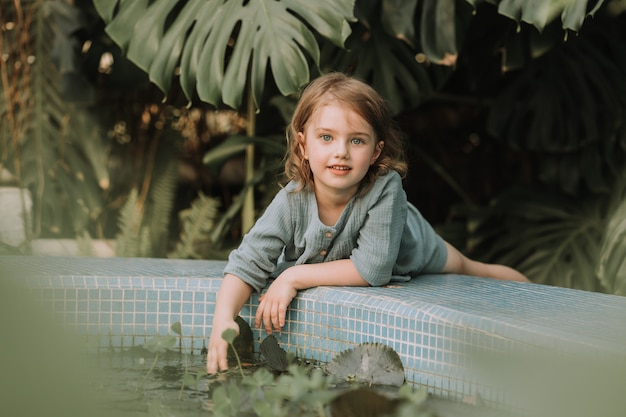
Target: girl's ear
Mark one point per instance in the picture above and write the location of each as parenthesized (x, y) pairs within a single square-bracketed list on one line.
[(379, 149), (302, 145)]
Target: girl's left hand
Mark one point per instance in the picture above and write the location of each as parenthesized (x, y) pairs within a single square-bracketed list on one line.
[(273, 304)]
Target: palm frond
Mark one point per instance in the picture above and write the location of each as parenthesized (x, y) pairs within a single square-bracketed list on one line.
[(553, 239), (611, 267)]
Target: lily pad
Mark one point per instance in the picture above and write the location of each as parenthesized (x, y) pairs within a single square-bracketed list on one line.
[(372, 363), (275, 355), (160, 344), (243, 343)]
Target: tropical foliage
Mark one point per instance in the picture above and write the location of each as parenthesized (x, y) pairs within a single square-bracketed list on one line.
[(48, 141), (543, 79)]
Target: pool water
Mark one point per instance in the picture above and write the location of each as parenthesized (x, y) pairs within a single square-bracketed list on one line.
[(124, 384)]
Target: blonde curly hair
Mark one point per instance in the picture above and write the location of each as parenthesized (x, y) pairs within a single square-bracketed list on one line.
[(366, 102)]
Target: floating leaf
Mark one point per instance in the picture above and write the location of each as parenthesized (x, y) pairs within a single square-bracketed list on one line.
[(373, 363), (275, 355), (160, 344), (176, 328), (243, 343), (261, 378)]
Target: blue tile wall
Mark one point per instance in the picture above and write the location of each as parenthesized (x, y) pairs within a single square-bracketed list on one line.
[(435, 323)]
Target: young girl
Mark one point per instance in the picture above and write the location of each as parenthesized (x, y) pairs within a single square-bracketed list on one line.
[(343, 219)]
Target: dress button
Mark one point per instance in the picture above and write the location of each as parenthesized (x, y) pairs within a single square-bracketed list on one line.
[(328, 234), (323, 252)]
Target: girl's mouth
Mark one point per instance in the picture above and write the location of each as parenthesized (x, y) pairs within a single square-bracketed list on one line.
[(339, 168)]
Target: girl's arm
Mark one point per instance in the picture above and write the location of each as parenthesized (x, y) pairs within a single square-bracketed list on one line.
[(273, 304), (231, 296)]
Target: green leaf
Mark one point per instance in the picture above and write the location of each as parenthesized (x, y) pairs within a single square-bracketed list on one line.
[(552, 106), (385, 62), (226, 400), (197, 223), (160, 344), (397, 18), (438, 29), (56, 144), (418, 396), (177, 328), (229, 335), (261, 378), (129, 224), (236, 144), (126, 18), (155, 52), (574, 14), (553, 239), (353, 364), (222, 45), (611, 267), (105, 9), (539, 13)]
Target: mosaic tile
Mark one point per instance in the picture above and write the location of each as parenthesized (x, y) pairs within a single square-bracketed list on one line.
[(434, 322)]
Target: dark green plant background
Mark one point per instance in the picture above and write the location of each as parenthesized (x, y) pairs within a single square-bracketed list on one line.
[(129, 120)]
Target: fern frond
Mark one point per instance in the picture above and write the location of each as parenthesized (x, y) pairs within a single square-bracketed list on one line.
[(145, 247), (129, 223), (162, 195), (51, 146), (197, 223)]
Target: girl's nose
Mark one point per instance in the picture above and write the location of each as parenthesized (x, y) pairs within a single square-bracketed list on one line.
[(341, 149)]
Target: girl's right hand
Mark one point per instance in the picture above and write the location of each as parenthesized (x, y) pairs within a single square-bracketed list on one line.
[(217, 356)]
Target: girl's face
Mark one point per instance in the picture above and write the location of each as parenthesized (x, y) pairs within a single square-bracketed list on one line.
[(340, 147)]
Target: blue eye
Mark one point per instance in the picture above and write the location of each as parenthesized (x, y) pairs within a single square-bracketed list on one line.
[(325, 138), (357, 141)]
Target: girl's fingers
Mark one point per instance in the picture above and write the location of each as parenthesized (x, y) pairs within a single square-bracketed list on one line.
[(217, 360), (282, 312), (272, 316), (267, 319), (259, 315), (275, 316)]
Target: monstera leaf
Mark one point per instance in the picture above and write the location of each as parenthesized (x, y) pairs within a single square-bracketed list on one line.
[(541, 12), (219, 45), (440, 22), (553, 106), (381, 55)]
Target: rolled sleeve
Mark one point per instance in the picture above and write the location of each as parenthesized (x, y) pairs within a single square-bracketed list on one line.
[(256, 257), (378, 242)]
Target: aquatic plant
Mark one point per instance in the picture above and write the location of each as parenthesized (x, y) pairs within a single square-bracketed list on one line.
[(302, 389), (157, 344), (188, 379), (229, 335), (276, 357), (371, 363)]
